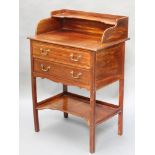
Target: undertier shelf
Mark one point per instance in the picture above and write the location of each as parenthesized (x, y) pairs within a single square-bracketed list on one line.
[(79, 106)]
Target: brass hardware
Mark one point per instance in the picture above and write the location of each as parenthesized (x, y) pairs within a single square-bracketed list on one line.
[(45, 69), (77, 76), (44, 52), (73, 58), (47, 50)]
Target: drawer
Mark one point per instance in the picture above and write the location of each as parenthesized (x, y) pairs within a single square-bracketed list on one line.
[(62, 73), (59, 54)]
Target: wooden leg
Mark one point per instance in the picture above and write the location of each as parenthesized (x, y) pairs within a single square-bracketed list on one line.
[(65, 90), (120, 115), (92, 122), (92, 139), (92, 103), (34, 98), (120, 123), (36, 120), (65, 115)]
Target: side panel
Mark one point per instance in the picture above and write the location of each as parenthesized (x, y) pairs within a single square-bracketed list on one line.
[(109, 65)]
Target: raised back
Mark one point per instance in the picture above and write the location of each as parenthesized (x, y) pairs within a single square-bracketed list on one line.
[(108, 27), (89, 29), (85, 26)]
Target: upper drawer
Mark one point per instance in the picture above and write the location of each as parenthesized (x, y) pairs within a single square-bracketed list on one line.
[(59, 54)]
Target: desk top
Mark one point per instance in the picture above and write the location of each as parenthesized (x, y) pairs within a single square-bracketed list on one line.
[(74, 39)]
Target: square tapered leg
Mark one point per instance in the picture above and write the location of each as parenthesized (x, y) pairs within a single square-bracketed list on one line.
[(34, 98), (120, 115)]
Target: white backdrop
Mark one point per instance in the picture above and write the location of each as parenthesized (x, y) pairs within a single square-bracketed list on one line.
[(58, 136)]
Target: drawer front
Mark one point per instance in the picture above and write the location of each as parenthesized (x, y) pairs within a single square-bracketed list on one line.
[(62, 73), (58, 54)]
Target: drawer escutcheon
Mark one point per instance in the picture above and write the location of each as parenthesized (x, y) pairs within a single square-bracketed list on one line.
[(77, 76), (45, 69), (44, 52), (73, 58)]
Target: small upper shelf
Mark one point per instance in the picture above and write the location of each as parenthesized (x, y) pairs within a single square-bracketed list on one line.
[(113, 27), (105, 18)]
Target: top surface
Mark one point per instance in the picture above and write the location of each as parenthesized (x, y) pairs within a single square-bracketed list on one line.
[(74, 39)]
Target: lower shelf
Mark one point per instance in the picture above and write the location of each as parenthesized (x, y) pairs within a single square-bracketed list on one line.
[(79, 106)]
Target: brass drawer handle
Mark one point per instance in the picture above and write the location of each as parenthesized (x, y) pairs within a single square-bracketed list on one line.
[(44, 52), (77, 76), (45, 69), (73, 58)]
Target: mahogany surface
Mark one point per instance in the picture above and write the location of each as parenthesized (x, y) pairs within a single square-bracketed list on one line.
[(62, 37), (80, 49), (78, 40)]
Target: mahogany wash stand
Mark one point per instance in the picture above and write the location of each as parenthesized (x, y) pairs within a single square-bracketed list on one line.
[(80, 49)]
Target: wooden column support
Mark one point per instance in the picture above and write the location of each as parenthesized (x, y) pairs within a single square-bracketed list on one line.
[(92, 103), (34, 95), (35, 111), (120, 115), (121, 94)]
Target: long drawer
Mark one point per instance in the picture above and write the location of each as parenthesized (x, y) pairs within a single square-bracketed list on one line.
[(62, 73), (73, 57)]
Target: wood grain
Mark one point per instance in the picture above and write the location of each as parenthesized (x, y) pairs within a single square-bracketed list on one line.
[(62, 38), (85, 26), (48, 24), (108, 64), (78, 40), (119, 31)]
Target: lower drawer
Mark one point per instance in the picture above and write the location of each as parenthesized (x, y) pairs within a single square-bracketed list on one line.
[(62, 73)]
